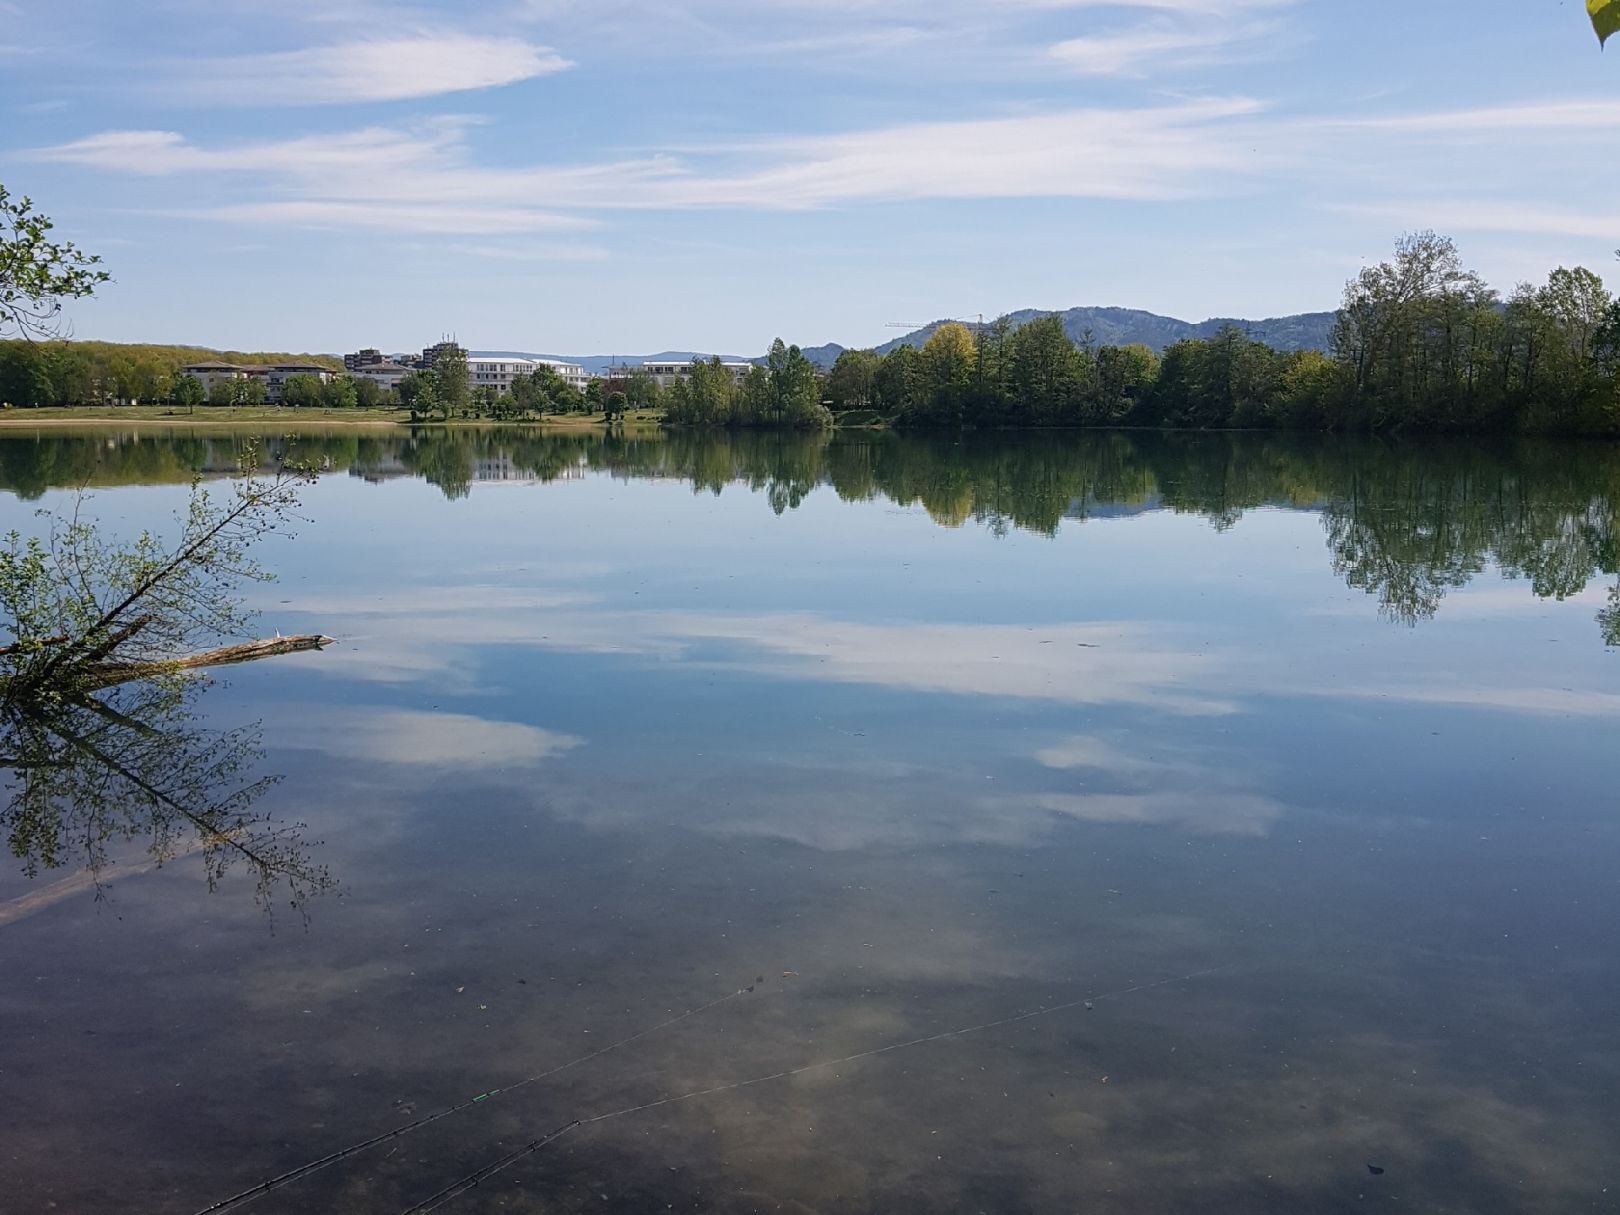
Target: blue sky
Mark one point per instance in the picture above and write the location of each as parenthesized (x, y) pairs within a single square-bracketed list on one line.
[(616, 176)]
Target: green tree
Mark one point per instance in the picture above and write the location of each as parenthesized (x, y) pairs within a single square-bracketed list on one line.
[(528, 394), (451, 385), (642, 391), (947, 364), (339, 393), (73, 604), (1044, 373), (417, 392), (852, 382), (614, 405), (795, 398), (25, 378), (37, 273), (368, 394), (187, 391), (303, 392)]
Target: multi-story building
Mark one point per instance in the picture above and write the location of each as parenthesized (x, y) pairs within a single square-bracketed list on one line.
[(385, 375), (498, 371), (369, 357), (430, 354), (278, 374), (212, 373), (667, 373), (274, 376), (573, 374)]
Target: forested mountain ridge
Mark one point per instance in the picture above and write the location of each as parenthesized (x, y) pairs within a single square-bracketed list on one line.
[(1135, 327)]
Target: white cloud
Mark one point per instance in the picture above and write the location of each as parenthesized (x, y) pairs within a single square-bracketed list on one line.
[(420, 179), (1178, 789), (381, 69), (405, 736), (531, 252), (1070, 663), (1485, 215), (393, 217), (1582, 115), (1538, 702)]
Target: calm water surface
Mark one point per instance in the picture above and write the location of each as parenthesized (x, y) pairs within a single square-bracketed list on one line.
[(1296, 761)]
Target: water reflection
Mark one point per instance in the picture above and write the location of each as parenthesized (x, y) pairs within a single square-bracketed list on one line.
[(1408, 523), (593, 755), (128, 779)]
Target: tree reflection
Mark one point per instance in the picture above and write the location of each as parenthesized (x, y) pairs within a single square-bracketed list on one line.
[(89, 782), (1406, 522)]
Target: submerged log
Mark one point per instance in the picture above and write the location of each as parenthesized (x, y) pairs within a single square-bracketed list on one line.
[(107, 674)]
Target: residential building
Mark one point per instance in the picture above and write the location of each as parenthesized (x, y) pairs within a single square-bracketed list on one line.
[(667, 373), (573, 374), (498, 371), (274, 376), (430, 354), (385, 375), (212, 373), (369, 357), (278, 374)]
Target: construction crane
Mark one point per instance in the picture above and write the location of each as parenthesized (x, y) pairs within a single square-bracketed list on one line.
[(950, 320)]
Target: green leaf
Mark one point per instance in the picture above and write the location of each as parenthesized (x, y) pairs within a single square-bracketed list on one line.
[(1605, 17)]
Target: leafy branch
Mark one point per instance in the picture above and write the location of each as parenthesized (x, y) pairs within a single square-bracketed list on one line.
[(37, 273)]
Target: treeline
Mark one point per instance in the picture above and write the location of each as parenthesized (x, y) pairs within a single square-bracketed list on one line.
[(785, 392), (1421, 344), (36, 374)]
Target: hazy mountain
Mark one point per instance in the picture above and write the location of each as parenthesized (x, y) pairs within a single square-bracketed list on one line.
[(1128, 326), (1103, 326)]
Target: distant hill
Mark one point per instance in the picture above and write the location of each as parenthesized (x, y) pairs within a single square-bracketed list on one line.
[(1130, 326)]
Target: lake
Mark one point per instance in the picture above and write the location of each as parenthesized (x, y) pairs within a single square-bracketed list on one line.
[(1124, 823)]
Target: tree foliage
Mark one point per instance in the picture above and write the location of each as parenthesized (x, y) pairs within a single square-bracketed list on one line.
[(451, 387), (74, 601), (784, 392), (37, 273), (1421, 343), (34, 374)]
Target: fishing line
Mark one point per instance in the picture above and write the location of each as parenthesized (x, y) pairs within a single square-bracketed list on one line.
[(314, 1166), (488, 1171), (472, 1179)]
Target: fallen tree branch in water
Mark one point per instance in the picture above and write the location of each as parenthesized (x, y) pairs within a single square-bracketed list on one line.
[(106, 675)]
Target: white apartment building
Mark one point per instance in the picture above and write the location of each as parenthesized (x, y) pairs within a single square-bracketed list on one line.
[(212, 373), (572, 373), (667, 373), (385, 375), (278, 374), (498, 373)]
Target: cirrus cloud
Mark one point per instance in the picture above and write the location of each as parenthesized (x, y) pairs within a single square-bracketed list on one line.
[(368, 70)]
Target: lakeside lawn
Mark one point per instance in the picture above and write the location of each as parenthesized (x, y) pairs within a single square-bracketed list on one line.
[(271, 415)]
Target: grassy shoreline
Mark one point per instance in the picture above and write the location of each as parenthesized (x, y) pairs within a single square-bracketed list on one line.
[(233, 416)]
